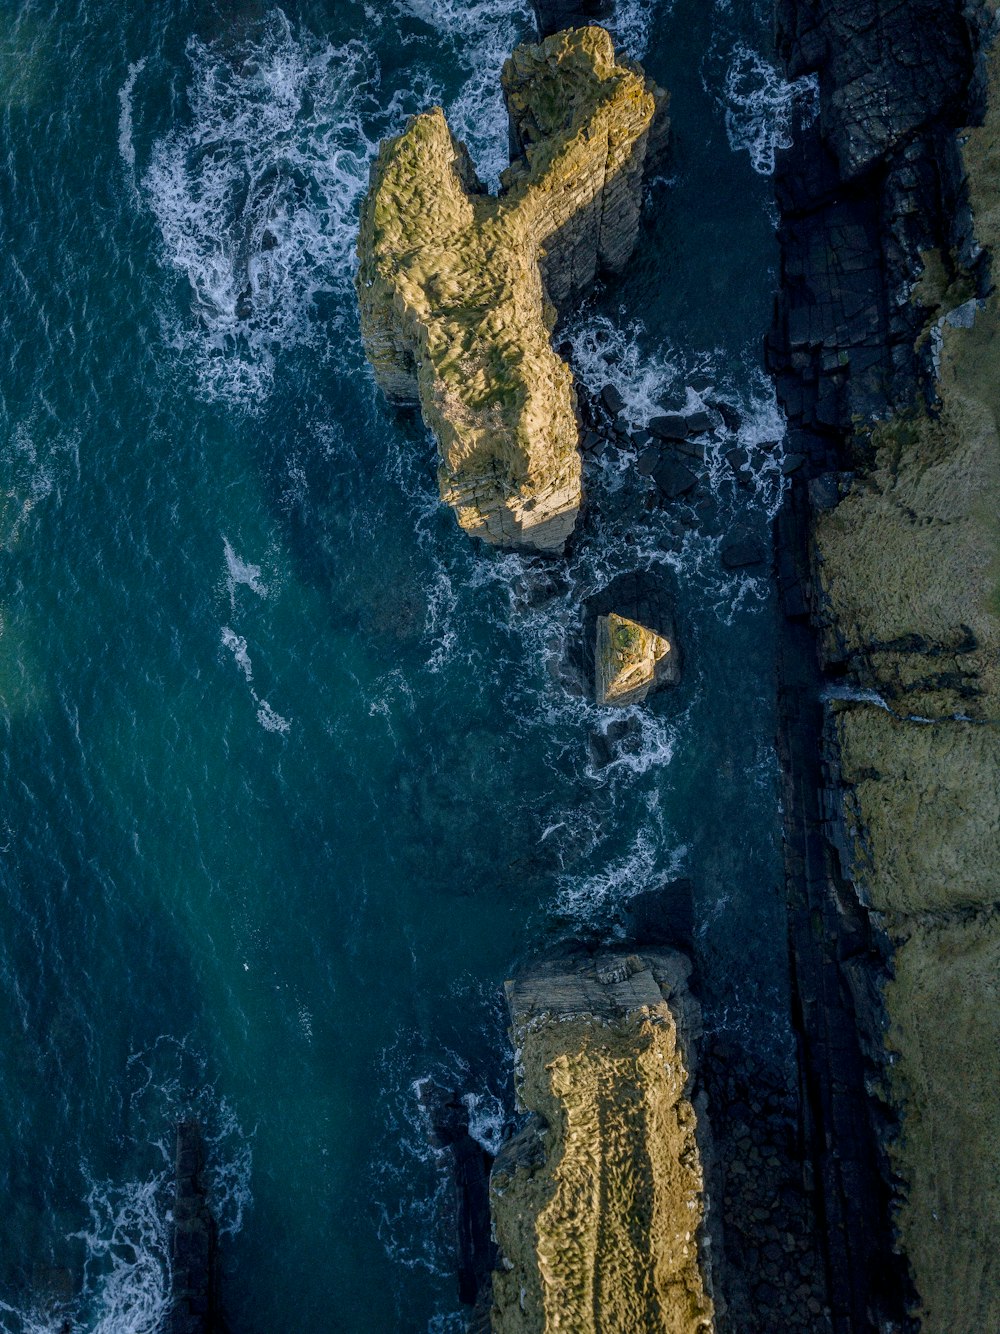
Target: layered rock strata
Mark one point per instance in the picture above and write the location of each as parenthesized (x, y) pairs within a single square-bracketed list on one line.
[(629, 660), (888, 359), (599, 1203), (456, 286)]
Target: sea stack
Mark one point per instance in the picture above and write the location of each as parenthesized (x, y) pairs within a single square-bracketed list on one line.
[(459, 290), (629, 660), (599, 1205)]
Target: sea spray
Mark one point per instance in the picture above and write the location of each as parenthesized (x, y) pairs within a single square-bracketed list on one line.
[(256, 194), (761, 106)]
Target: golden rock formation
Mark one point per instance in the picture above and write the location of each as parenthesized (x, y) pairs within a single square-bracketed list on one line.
[(456, 286)]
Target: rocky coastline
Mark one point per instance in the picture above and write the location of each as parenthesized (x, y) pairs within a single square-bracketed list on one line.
[(885, 555), (861, 1198)]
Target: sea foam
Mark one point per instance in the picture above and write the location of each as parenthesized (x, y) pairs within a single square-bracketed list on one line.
[(760, 107)]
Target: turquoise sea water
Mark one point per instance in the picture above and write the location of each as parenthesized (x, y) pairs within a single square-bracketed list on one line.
[(289, 780)]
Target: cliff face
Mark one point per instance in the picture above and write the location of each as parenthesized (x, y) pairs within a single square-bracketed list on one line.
[(894, 397), (598, 1202), (908, 561), (454, 310)]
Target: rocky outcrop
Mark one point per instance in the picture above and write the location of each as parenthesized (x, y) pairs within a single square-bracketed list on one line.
[(629, 660), (886, 352), (194, 1306), (644, 597), (456, 287), (599, 1203)]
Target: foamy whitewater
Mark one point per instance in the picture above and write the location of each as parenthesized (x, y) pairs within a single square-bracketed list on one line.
[(294, 774)]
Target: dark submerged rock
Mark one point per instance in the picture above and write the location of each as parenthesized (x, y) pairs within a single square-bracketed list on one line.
[(741, 549), (194, 1305), (612, 400), (475, 1254), (673, 479)]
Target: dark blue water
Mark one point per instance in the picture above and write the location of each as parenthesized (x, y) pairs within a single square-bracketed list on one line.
[(289, 780)]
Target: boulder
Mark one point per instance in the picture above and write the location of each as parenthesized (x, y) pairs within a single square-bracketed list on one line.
[(612, 400), (646, 596), (459, 290), (627, 660), (673, 479), (741, 549), (669, 426)]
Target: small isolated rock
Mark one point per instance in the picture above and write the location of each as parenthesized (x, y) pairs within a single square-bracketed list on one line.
[(612, 400), (742, 549), (673, 478), (627, 660)]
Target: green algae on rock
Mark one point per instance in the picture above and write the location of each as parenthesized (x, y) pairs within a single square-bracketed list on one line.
[(456, 287), (629, 660), (598, 1204)]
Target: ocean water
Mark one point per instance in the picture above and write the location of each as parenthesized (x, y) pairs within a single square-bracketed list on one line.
[(290, 781)]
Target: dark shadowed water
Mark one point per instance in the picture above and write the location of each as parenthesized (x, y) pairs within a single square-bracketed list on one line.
[(289, 782)]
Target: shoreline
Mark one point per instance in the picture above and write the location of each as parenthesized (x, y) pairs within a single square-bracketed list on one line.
[(861, 220)]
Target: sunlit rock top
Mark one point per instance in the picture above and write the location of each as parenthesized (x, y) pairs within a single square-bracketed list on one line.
[(458, 288)]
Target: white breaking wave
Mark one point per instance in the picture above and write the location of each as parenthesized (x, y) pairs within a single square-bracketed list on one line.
[(631, 25), (266, 716), (271, 721), (592, 898), (237, 646), (241, 572), (487, 1118), (256, 196), (128, 1255), (606, 353), (760, 107), (479, 35), (126, 144)]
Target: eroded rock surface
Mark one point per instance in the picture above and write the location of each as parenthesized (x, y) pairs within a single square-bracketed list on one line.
[(629, 660), (599, 1203), (456, 286), (888, 333)]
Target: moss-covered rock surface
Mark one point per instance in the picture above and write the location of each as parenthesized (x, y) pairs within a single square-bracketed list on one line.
[(909, 563), (454, 310), (599, 1203), (628, 660)]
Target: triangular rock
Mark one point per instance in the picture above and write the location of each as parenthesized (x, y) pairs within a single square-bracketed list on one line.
[(629, 660)]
